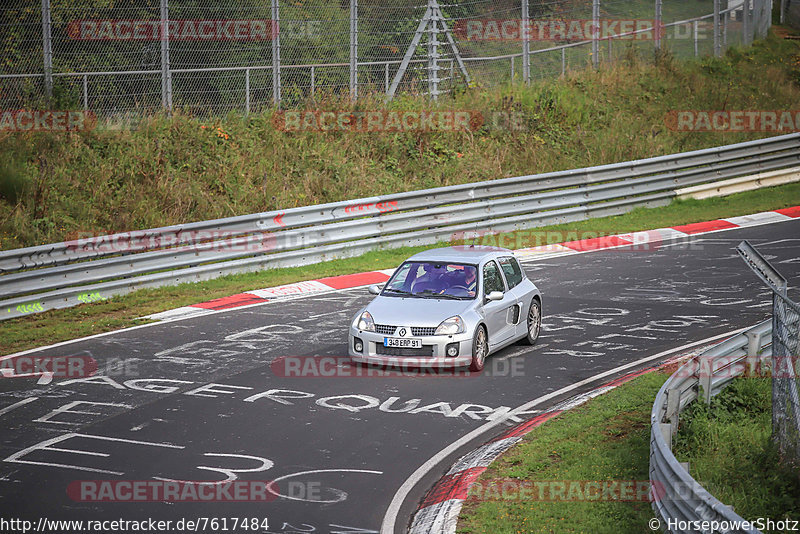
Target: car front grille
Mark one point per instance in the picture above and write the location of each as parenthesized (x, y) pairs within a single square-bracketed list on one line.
[(389, 329), (385, 329), (423, 330), (425, 352)]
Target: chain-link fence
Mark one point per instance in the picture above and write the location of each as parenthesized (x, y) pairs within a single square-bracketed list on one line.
[(211, 57), (785, 381), (790, 12), (785, 364)]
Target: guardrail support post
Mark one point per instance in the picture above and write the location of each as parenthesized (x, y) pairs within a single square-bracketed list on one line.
[(753, 348), (673, 405), (705, 373), (666, 433)]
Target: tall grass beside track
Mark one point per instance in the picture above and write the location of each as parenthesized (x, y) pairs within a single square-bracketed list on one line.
[(178, 169), (181, 169)]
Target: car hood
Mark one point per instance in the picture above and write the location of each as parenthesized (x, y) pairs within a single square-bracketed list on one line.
[(401, 311)]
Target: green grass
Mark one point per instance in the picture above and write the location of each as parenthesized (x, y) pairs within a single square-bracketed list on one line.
[(726, 444), (728, 447), (123, 311), (606, 439)]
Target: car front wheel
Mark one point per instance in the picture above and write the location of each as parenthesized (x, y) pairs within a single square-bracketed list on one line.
[(480, 348)]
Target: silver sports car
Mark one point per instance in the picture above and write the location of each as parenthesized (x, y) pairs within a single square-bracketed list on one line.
[(448, 307)]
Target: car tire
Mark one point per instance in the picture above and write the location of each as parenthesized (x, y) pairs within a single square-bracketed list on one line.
[(533, 322), (480, 349)]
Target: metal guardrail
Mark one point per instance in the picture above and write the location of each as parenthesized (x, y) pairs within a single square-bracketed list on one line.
[(680, 497), (64, 274)]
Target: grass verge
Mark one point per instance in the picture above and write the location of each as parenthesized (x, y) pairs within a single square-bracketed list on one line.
[(606, 439), (728, 447), (120, 312)]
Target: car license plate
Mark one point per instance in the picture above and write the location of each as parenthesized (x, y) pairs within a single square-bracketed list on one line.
[(402, 342)]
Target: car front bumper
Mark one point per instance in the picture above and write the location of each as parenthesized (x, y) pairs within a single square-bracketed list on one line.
[(372, 342)]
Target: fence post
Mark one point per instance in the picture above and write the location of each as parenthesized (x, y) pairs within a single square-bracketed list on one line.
[(276, 54), (716, 29), (695, 37), (166, 75), (725, 30), (526, 44), (433, 55), (247, 91), (353, 50), (85, 93), (563, 62), (657, 24), (313, 81), (746, 22), (47, 50), (595, 33)]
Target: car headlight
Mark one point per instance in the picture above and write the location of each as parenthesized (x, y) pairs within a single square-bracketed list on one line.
[(365, 322), (448, 327)]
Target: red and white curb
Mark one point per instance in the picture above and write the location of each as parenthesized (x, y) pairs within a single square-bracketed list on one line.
[(284, 292), (647, 240), (439, 510)]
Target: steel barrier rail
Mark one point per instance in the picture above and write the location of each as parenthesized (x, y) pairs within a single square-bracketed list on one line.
[(21, 283), (192, 233), (676, 496), (342, 229)]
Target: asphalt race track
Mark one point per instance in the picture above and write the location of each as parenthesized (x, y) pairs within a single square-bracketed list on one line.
[(198, 400)]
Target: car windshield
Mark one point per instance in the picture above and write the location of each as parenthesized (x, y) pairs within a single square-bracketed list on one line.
[(428, 279)]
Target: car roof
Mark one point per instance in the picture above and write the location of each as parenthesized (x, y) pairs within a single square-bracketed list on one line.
[(462, 253)]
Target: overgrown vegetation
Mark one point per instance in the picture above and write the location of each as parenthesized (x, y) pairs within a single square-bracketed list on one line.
[(728, 447), (179, 169)]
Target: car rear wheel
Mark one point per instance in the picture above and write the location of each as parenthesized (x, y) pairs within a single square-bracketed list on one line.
[(480, 348), (534, 322)]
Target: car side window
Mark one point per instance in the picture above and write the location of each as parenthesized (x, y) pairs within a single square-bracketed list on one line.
[(492, 280), (512, 271)]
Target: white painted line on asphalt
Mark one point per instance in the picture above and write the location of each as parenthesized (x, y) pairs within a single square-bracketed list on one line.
[(391, 516)]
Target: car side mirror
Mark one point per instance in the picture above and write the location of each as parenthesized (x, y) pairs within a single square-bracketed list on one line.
[(495, 295), (374, 289)]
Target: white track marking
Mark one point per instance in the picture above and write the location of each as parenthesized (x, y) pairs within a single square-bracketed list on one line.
[(390, 518)]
